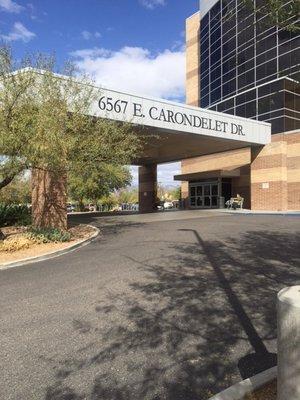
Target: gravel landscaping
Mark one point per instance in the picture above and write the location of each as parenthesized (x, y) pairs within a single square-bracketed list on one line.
[(267, 392), (19, 245)]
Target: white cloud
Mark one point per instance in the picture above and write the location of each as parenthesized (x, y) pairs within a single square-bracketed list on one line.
[(135, 69), (10, 6), (90, 35), (18, 32), (151, 4)]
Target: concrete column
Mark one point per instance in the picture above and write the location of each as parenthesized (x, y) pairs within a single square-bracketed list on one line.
[(49, 199), (288, 381), (147, 188)]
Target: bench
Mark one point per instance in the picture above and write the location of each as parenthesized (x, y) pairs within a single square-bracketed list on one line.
[(235, 202)]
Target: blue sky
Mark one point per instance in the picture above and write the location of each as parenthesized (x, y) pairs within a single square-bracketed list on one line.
[(133, 45)]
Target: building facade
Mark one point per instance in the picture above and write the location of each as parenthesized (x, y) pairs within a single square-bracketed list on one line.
[(240, 64)]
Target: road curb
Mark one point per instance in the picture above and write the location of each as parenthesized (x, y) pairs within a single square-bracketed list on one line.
[(52, 254), (240, 389)]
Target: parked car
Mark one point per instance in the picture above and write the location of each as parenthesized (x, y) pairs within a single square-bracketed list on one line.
[(168, 205), (91, 207), (70, 207)]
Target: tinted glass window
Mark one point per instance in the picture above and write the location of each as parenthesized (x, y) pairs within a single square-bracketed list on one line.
[(215, 73), (215, 57), (216, 84), (229, 88), (215, 95)]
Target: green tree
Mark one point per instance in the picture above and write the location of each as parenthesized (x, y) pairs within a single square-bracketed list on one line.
[(128, 195), (46, 125), (17, 192), (176, 193), (280, 13), (92, 185)]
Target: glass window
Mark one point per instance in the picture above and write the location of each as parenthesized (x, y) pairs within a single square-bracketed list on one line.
[(266, 70), (291, 124), (240, 111), (270, 88), (204, 46), (246, 36), (199, 190), (270, 103), (204, 81), (251, 95), (204, 91), (230, 111), (229, 64), (246, 79), (215, 73), (215, 10), (268, 55), (216, 84), (215, 57), (277, 125), (266, 44), (199, 202), (246, 66), (204, 67), (215, 37), (288, 60), (204, 101), (215, 95), (230, 75), (250, 109), (230, 19), (240, 99), (229, 88), (228, 104), (204, 25), (292, 101), (228, 47)]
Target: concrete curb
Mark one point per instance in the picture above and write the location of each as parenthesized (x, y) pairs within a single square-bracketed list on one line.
[(239, 390), (52, 254)]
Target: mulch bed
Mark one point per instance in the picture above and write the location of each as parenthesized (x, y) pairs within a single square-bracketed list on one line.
[(268, 392), (78, 233)]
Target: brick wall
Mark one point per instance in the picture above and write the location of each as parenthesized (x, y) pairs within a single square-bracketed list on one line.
[(192, 59), (270, 177), (293, 170), (275, 174)]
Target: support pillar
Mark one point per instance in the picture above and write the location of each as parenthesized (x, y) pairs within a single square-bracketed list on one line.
[(49, 199), (147, 188)]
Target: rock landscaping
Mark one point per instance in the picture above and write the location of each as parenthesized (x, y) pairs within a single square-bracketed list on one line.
[(22, 242), (267, 392)]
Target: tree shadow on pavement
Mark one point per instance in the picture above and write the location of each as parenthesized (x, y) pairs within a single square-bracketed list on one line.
[(202, 317)]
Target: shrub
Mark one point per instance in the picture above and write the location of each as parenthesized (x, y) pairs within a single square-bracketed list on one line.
[(47, 235), (16, 242), (13, 214)]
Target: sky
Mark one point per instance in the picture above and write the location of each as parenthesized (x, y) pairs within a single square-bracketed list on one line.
[(131, 45)]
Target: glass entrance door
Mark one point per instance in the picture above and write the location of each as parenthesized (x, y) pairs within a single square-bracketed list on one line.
[(204, 195)]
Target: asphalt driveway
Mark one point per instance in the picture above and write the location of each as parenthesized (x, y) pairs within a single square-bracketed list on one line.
[(173, 309)]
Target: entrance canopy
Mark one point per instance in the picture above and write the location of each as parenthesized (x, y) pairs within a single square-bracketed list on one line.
[(176, 131)]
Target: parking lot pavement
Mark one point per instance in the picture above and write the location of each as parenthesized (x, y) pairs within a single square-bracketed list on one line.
[(167, 309)]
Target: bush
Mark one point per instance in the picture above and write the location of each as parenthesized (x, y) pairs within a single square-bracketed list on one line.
[(16, 242), (13, 214), (47, 235)]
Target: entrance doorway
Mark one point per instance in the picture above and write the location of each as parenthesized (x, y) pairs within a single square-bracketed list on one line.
[(204, 194)]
